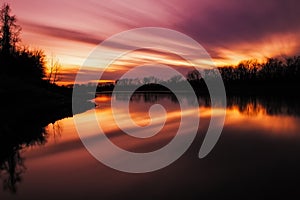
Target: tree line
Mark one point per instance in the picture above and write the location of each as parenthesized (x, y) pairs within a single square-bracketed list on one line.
[(273, 73), (274, 70)]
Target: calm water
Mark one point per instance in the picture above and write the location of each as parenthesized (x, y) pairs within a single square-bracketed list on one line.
[(257, 155)]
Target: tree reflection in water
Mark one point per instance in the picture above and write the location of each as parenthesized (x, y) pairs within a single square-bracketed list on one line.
[(18, 132), (11, 163), (248, 105), (12, 167)]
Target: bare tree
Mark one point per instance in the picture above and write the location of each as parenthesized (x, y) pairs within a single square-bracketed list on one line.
[(54, 71)]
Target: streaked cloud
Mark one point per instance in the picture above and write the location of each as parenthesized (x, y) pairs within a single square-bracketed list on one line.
[(62, 33), (230, 30)]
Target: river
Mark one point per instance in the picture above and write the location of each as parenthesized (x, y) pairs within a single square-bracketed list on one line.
[(257, 155)]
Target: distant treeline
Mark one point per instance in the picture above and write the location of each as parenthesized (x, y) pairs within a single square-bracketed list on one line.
[(273, 70), (274, 75)]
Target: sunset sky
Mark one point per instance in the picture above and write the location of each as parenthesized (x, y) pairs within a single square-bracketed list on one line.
[(230, 30)]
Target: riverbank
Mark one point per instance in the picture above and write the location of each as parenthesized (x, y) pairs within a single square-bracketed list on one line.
[(38, 104)]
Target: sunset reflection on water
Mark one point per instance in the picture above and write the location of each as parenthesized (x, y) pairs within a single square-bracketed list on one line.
[(258, 138), (251, 116)]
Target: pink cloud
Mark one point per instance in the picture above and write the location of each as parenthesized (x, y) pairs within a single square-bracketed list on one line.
[(220, 25)]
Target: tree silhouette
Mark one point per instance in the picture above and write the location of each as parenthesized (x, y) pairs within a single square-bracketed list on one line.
[(10, 31), (54, 70), (193, 75), (22, 63)]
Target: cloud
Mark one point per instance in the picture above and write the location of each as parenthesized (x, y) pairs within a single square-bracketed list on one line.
[(62, 33), (228, 29), (234, 21)]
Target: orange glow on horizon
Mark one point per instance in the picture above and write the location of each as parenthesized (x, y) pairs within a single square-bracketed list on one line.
[(274, 46)]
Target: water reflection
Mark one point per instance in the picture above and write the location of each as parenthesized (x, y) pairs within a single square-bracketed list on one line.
[(14, 138), (250, 122), (21, 131), (12, 166), (56, 129), (268, 116), (270, 105), (139, 97), (247, 105)]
